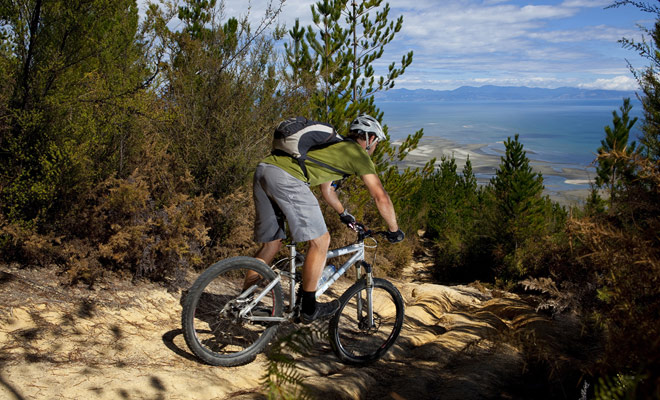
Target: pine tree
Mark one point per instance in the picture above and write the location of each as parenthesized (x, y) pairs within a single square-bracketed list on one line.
[(452, 212), (517, 190), (468, 179), (647, 78), (328, 42), (299, 59), (344, 43), (195, 15), (612, 170), (367, 42)]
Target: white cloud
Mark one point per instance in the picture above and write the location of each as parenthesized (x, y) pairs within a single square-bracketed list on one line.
[(587, 3), (465, 42), (599, 32), (616, 83), (468, 28)]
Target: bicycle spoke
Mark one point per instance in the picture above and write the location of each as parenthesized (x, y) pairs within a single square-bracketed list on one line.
[(215, 331), (354, 338)]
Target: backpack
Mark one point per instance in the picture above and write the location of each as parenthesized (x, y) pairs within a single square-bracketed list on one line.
[(294, 137)]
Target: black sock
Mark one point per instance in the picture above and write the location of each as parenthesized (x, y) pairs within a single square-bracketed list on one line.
[(308, 302)]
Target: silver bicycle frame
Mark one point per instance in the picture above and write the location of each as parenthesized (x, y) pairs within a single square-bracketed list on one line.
[(356, 249)]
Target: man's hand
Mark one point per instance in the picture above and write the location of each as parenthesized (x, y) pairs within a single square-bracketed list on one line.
[(347, 218), (395, 237)]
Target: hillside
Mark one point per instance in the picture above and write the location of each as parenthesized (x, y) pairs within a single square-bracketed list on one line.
[(504, 93), (120, 340)]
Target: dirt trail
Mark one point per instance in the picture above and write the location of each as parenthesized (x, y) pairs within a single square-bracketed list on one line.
[(121, 341)]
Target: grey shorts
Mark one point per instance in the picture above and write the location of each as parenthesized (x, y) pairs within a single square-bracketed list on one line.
[(276, 194)]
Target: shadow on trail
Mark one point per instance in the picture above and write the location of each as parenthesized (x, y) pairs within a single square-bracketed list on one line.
[(168, 340), (11, 389)]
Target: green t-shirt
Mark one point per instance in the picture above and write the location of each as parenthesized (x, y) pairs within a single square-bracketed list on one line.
[(346, 156)]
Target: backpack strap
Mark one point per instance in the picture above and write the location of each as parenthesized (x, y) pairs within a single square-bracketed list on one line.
[(303, 167), (301, 162)]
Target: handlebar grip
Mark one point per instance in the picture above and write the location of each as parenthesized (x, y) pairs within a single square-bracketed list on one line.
[(363, 230)]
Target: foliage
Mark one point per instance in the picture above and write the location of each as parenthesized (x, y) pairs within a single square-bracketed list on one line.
[(219, 91), (521, 215), (74, 70), (116, 148), (609, 173), (143, 224), (340, 50), (345, 42), (594, 204), (647, 78), (157, 231), (282, 379), (298, 83), (619, 251), (517, 190), (24, 245), (452, 205), (499, 232), (619, 387)]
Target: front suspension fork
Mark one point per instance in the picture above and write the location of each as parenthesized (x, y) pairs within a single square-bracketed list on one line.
[(369, 298)]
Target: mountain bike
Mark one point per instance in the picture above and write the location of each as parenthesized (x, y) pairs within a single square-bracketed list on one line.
[(227, 324)]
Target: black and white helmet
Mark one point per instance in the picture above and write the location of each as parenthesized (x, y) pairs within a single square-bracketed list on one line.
[(367, 124)]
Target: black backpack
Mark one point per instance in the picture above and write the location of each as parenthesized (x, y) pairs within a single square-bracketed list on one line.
[(294, 137)]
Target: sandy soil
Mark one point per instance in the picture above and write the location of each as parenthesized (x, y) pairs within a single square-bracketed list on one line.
[(123, 341)]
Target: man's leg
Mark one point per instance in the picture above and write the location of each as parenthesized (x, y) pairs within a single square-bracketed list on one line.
[(315, 261), (312, 270), (268, 251), (266, 254)]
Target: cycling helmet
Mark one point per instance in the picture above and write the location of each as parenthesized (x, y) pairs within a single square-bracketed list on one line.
[(367, 124)]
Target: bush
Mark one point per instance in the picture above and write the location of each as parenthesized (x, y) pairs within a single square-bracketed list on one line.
[(619, 252)]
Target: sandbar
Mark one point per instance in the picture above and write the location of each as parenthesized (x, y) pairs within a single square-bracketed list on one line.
[(567, 184)]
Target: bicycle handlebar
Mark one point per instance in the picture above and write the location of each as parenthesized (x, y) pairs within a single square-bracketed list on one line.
[(363, 232)]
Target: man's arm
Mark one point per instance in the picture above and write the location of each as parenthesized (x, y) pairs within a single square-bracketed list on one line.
[(382, 199), (330, 197)]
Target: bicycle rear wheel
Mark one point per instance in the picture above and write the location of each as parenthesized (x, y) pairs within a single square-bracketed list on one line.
[(212, 327), (353, 339)]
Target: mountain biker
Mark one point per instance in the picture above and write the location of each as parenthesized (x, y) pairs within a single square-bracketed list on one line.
[(280, 188)]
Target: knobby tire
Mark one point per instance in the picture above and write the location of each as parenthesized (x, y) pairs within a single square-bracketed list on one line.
[(351, 339), (211, 328)]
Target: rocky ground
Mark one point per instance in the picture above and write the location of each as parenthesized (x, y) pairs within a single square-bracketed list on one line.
[(119, 340)]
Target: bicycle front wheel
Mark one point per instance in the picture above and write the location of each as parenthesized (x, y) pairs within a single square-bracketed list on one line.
[(213, 327), (356, 340)]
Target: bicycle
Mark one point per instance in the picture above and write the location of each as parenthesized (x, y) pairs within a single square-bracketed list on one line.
[(226, 324)]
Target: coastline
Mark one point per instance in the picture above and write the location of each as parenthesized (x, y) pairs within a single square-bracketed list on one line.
[(566, 184)]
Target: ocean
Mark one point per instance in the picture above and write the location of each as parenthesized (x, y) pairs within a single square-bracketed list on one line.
[(561, 133)]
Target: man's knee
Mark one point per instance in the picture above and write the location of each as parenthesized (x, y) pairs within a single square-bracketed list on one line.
[(268, 251), (321, 242), (274, 245)]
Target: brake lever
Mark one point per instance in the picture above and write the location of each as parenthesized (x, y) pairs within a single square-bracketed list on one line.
[(362, 230)]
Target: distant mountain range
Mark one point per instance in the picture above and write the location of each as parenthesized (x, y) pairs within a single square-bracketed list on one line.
[(485, 93)]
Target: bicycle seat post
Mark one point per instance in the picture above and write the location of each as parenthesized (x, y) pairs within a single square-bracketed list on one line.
[(292, 271)]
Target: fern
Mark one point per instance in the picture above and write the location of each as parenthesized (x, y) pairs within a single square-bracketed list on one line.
[(282, 379), (557, 300), (620, 387)]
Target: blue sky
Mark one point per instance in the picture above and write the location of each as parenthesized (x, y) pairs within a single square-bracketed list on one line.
[(545, 43)]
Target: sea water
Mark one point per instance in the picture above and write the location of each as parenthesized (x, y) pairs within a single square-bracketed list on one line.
[(563, 133)]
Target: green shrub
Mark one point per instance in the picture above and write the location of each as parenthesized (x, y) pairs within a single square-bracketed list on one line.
[(620, 254)]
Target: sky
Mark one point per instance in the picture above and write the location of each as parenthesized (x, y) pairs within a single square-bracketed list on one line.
[(543, 43)]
